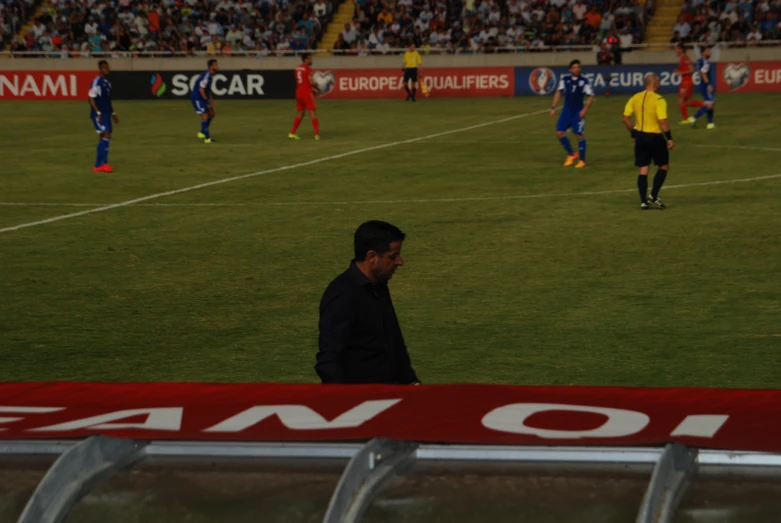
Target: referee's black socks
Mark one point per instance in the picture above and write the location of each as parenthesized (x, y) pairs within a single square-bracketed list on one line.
[(642, 187), (661, 176)]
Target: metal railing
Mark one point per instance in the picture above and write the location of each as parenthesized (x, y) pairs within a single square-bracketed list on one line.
[(83, 465), (363, 52)]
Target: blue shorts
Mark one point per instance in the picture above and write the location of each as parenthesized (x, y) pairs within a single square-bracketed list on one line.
[(104, 127), (574, 122), (200, 106), (708, 97)]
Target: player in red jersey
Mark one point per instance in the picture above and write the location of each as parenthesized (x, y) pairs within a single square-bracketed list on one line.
[(686, 70), (305, 97)]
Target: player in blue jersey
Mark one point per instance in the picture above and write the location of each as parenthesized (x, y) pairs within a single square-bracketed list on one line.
[(573, 87), (203, 99), (102, 113), (707, 88)]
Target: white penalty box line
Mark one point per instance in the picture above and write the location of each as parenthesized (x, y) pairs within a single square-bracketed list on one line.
[(260, 173)]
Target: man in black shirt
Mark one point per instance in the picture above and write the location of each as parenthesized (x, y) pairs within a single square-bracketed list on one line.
[(360, 337)]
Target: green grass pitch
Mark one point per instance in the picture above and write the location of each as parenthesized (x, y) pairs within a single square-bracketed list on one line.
[(517, 270)]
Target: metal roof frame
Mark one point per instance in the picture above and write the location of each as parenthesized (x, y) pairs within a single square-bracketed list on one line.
[(84, 464)]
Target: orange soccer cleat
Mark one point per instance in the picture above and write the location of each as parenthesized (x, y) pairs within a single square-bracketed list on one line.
[(581, 164), (570, 160), (106, 168)]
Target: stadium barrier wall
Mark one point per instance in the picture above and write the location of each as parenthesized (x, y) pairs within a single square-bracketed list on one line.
[(458, 414), (454, 82), (549, 59)]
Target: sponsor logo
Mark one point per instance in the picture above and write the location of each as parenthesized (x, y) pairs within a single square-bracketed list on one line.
[(325, 81), (736, 76), (45, 86), (453, 82), (230, 84), (158, 85), (542, 81)]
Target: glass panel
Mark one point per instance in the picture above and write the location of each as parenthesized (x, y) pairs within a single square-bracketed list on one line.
[(530, 496), (175, 493), (18, 479), (725, 499)]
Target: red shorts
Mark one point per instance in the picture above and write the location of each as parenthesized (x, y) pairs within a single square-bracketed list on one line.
[(305, 101), (686, 89)]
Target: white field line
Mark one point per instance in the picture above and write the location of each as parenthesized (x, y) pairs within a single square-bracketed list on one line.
[(746, 147), (416, 200), (260, 173)]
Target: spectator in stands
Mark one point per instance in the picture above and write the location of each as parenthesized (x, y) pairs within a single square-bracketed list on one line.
[(626, 40), (162, 25), (320, 10), (385, 16), (349, 35), (284, 43), (608, 22), (593, 18), (754, 36), (579, 10), (341, 44), (682, 28)]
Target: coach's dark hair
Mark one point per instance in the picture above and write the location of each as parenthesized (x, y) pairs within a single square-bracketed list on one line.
[(100, 64), (574, 62), (211, 62), (304, 56), (375, 236)]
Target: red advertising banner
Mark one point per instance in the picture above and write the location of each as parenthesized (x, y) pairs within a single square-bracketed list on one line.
[(487, 414), (457, 82), (45, 85), (749, 77)]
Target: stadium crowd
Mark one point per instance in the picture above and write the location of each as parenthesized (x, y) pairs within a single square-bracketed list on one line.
[(736, 21), (13, 13), (86, 27), (474, 26)]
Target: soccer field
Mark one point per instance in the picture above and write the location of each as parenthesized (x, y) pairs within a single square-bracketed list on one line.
[(517, 270)]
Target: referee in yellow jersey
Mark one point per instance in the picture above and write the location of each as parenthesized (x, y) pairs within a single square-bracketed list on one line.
[(652, 136), (412, 63)]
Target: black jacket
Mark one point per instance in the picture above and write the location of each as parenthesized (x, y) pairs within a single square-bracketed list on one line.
[(360, 337)]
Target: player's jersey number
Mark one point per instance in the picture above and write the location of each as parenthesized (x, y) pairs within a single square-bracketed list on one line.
[(299, 77)]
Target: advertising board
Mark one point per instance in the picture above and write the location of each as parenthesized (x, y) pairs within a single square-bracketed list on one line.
[(484, 414)]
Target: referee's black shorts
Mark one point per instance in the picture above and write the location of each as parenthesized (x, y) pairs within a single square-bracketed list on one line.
[(410, 75), (651, 147)]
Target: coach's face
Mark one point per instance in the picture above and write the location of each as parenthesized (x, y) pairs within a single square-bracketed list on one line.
[(383, 266)]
